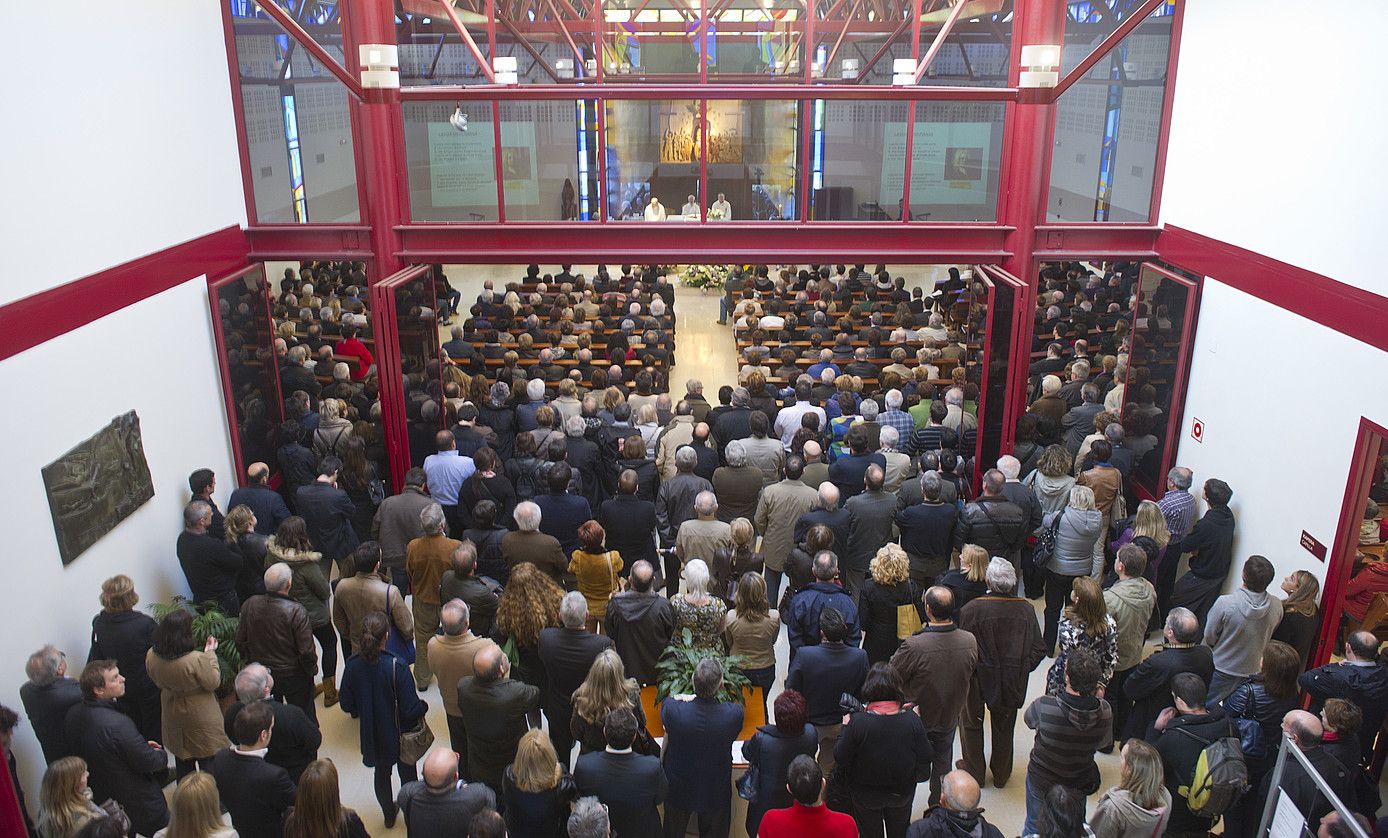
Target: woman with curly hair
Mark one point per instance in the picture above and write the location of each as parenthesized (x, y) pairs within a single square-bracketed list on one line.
[(1086, 624), (884, 595), (606, 688), (529, 604)]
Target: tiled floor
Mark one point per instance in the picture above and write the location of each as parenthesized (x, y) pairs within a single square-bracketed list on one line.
[(705, 351)]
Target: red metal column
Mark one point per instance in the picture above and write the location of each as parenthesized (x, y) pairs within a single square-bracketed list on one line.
[(379, 133), (1031, 136)]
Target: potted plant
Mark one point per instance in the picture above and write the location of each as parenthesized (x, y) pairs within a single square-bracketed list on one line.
[(676, 670), (209, 621)]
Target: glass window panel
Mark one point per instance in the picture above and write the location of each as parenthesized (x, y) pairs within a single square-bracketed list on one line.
[(757, 40), (431, 52), (1108, 125), (858, 160), (652, 152), (549, 164), (1159, 327), (418, 335), (243, 306), (956, 155), (752, 151), (975, 54), (997, 357), (663, 40), (452, 173)]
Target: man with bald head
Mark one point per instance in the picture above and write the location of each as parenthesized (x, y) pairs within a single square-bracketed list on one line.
[(438, 805), (816, 470), (828, 513), (1357, 679), (707, 454), (495, 706), (274, 630), (640, 622), (957, 812), (1296, 783), (267, 504)]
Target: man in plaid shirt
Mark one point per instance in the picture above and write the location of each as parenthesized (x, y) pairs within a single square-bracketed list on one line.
[(895, 417)]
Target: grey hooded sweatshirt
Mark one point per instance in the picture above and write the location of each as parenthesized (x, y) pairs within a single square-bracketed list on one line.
[(1239, 627), (1118, 816)]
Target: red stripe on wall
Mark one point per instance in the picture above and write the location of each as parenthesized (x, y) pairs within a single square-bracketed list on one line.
[(1360, 314), (28, 322)]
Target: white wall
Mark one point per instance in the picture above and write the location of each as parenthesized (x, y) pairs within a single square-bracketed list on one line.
[(157, 358), (119, 138), (1277, 134), (1280, 426)]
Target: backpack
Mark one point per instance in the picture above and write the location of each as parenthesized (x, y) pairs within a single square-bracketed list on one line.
[(1219, 779)]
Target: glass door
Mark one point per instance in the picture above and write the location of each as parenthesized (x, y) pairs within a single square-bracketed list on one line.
[(1164, 313), (244, 331), (997, 408), (412, 398)]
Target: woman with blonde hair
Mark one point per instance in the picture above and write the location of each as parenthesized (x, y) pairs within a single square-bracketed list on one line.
[(65, 800), (333, 428), (196, 811), (751, 628), (1140, 805), (697, 610), (1076, 528), (1085, 625), (596, 570), (536, 790), (318, 811), (611, 397), (606, 688), (529, 604), (969, 580), (122, 634), (890, 607), (241, 535), (730, 563), (647, 421), (1051, 481), (1300, 614)]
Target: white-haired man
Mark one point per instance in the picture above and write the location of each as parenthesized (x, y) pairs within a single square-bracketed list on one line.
[(297, 738), (274, 630), (567, 653), (528, 544), (956, 418), (895, 417)]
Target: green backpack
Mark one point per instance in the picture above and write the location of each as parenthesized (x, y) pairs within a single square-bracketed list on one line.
[(1220, 776)]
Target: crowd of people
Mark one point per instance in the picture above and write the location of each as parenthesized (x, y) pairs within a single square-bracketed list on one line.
[(578, 537)]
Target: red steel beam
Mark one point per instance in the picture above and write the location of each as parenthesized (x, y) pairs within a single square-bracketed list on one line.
[(578, 56), (881, 51), (637, 91), (839, 40), (305, 40), (529, 48), (1106, 45), (482, 62), (939, 41)]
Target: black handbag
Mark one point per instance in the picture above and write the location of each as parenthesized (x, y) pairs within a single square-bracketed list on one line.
[(747, 784), (1045, 542)]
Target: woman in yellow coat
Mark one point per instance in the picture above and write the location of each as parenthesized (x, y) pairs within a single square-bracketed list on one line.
[(187, 680), (596, 570)]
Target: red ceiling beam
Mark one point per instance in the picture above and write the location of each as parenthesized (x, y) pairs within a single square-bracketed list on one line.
[(839, 40), (638, 90), (939, 41), (1105, 46), (578, 55), (881, 51), (482, 62), (305, 40), (530, 48)]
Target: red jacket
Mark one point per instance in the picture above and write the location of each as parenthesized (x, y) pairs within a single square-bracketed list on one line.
[(355, 349), (807, 822), (1361, 589)]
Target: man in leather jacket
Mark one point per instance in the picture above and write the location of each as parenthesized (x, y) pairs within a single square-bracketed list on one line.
[(274, 631)]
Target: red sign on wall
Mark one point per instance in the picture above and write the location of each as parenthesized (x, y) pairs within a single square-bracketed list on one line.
[(1313, 546), (1197, 430)]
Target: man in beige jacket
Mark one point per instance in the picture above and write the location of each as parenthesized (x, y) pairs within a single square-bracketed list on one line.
[(451, 655), (780, 506), (679, 432), (365, 592)]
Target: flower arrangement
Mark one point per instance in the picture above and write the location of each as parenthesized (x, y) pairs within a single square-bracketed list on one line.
[(716, 214), (704, 276)]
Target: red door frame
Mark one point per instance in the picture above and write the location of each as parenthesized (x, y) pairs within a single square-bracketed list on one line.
[(990, 286), (1370, 442), (1175, 411), (1016, 403), (228, 395)]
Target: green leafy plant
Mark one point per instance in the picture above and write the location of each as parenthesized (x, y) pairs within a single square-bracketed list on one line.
[(676, 669), (209, 621)]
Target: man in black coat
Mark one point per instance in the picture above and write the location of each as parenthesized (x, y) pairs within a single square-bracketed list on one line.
[(735, 422), (630, 523), (267, 504), (561, 514), (255, 792), (824, 672), (957, 813), (122, 765), (583, 456), (993, 522), (640, 622), (1211, 541), (1357, 679), (927, 530), (296, 740), (567, 654), (209, 564), (847, 471), (1184, 731), (1148, 686), (327, 510), (830, 514), (632, 786), (48, 696), (708, 456), (496, 707), (295, 376)]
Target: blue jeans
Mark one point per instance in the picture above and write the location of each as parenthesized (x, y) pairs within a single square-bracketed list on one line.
[(723, 307), (1036, 799)]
